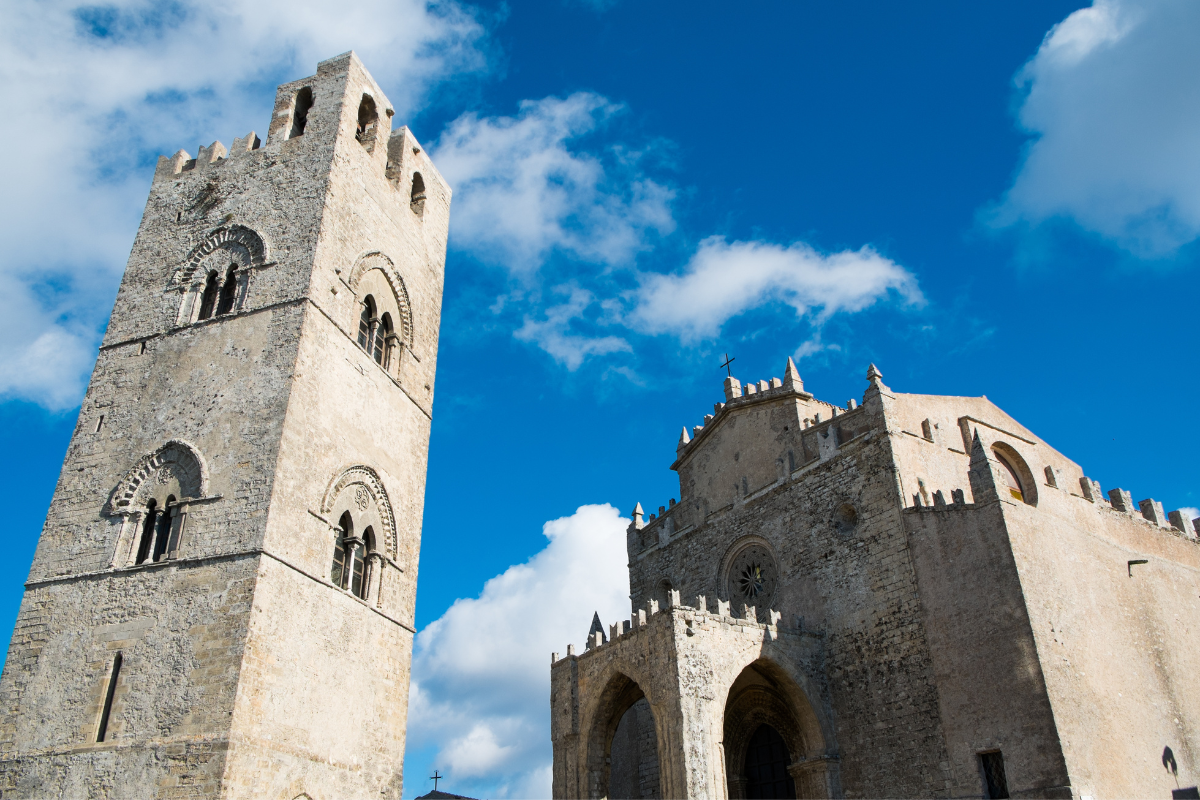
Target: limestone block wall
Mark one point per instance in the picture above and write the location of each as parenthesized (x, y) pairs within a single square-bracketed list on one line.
[(180, 628), (1117, 641)]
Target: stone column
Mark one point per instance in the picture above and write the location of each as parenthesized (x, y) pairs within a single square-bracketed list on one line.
[(737, 787), (352, 545), (816, 777), (178, 519)]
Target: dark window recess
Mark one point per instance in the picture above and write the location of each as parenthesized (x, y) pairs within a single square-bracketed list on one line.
[(228, 291), (102, 729), (209, 300), (147, 532), (993, 774), (337, 574), (164, 529), (99, 423), (766, 766), (418, 188), (304, 101)]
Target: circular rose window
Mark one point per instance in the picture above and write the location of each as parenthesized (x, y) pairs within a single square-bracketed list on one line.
[(752, 577)]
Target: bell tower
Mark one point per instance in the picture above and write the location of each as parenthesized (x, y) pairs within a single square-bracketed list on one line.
[(221, 602)]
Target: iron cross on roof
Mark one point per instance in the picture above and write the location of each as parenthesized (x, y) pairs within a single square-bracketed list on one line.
[(728, 361), (435, 777)]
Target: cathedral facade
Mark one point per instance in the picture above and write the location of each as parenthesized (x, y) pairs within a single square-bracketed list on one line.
[(911, 597), (221, 601)]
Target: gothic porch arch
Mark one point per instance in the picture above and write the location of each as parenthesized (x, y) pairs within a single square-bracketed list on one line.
[(620, 694), (764, 693)]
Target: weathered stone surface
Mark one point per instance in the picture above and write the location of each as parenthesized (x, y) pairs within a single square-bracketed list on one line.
[(933, 630), (258, 421)]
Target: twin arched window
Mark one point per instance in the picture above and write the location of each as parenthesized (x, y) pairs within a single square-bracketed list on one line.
[(376, 334), (156, 530), (350, 569), (220, 293)]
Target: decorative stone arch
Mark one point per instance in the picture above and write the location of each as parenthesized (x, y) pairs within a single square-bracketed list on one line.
[(1009, 455), (765, 694), (377, 260), (173, 476), (369, 480), (620, 693), (234, 245), (244, 247), (177, 460), (738, 555)]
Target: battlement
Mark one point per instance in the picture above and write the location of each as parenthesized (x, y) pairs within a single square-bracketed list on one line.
[(722, 614)]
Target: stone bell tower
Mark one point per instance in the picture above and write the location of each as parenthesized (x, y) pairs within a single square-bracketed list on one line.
[(221, 602)]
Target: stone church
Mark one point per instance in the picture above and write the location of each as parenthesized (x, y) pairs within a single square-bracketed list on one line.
[(911, 597), (221, 601)]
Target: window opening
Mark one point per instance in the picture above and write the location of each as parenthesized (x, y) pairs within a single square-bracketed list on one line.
[(209, 300), (364, 323), (993, 774), (767, 761), (163, 529), (99, 423), (147, 532), (102, 729), (346, 530), (1010, 477), (228, 291), (418, 188), (381, 339), (367, 120), (304, 102), (358, 580)]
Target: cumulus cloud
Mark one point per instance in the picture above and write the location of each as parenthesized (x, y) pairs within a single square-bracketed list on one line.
[(481, 672), (93, 91), (724, 279), (524, 187), (553, 332), (1112, 103)]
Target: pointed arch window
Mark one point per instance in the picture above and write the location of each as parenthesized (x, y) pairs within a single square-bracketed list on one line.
[(351, 557), (208, 300), (345, 531), (228, 291), (368, 120), (304, 102), (376, 334)]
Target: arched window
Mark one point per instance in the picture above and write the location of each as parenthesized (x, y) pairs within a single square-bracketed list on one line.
[(228, 291), (368, 118), (767, 761), (383, 339), (1011, 478), (359, 578), (162, 534), (346, 530), (418, 188), (148, 526), (208, 301), (365, 323), (304, 101)]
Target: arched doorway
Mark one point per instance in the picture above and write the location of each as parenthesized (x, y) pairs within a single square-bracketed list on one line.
[(767, 760), (774, 746), (623, 745)]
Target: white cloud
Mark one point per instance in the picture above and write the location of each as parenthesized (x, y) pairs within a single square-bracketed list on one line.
[(554, 334), (1189, 512), (521, 192), (1112, 101), (724, 279), (481, 672), (91, 92)]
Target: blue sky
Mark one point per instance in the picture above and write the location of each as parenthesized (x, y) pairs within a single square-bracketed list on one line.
[(998, 199)]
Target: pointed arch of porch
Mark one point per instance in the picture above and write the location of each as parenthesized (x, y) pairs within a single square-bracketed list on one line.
[(766, 692), (619, 695)]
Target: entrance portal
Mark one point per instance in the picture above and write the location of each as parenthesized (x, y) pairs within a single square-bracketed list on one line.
[(767, 760)]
